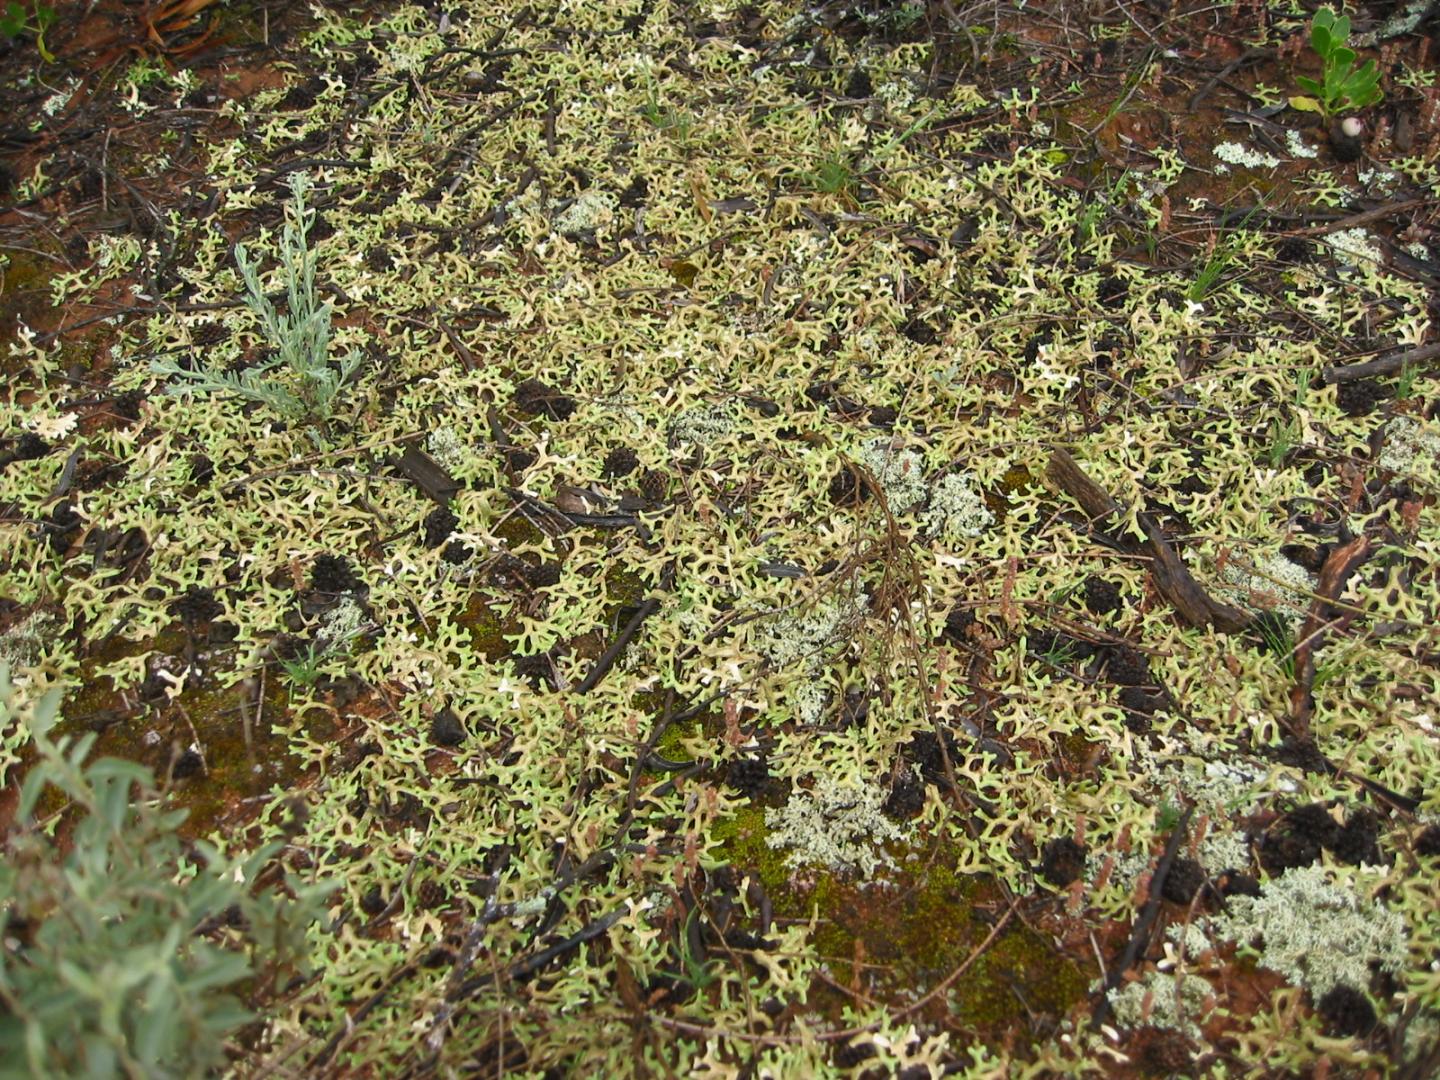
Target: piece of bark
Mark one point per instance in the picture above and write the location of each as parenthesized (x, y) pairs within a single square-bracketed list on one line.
[(466, 356), (1363, 218), (428, 473), (1175, 582), (1387, 365)]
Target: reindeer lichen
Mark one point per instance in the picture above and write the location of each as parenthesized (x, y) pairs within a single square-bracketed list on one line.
[(900, 472), (1175, 1000), (1316, 932), (956, 509), (833, 825)]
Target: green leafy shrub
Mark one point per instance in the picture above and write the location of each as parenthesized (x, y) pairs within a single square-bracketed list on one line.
[(116, 949), (300, 338), (1341, 88)]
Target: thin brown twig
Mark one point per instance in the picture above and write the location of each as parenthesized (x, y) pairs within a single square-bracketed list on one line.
[(1364, 217), (352, 1021), (1387, 365), (1172, 578), (1140, 935), (1334, 575), (247, 725)]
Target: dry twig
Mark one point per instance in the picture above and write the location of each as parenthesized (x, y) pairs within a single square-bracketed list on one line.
[(1172, 578)]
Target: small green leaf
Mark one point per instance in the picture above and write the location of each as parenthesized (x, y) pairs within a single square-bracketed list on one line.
[(154, 1032), (220, 969), (30, 790), (114, 802), (73, 975), (1305, 104), (1365, 79)]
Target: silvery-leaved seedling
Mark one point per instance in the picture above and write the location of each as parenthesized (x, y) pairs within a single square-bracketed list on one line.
[(300, 338)]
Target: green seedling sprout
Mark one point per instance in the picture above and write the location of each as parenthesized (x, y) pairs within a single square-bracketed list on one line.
[(1223, 254), (1279, 640), (666, 118), (15, 21), (300, 338), (1167, 817), (697, 974), (1088, 224), (1219, 260), (832, 175), (1405, 382), (1342, 87), (305, 670)]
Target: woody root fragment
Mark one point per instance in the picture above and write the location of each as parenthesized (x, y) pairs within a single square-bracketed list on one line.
[(1174, 582)]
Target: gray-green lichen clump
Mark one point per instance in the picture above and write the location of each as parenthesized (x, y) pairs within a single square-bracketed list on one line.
[(1317, 932), (836, 826), (956, 509), (899, 470), (1177, 1001), (802, 640), (1308, 925)]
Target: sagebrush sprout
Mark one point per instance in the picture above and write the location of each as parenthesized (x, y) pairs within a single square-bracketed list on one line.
[(1342, 88), (300, 338), (115, 948)]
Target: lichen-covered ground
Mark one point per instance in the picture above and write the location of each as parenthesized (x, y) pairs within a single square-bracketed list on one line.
[(680, 643)]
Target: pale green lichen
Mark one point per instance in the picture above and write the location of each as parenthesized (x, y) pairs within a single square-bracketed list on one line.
[(956, 509), (1402, 20), (1232, 153), (802, 640), (1422, 1035), (1354, 247), (342, 623), (900, 472), (1317, 932), (1377, 181), (57, 101), (590, 210), (1222, 786), (835, 826), (1410, 447), (22, 645), (446, 447), (1177, 1001), (704, 423), (807, 701), (1221, 851), (630, 331), (1298, 147), (1269, 581), (1119, 871), (895, 95)]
